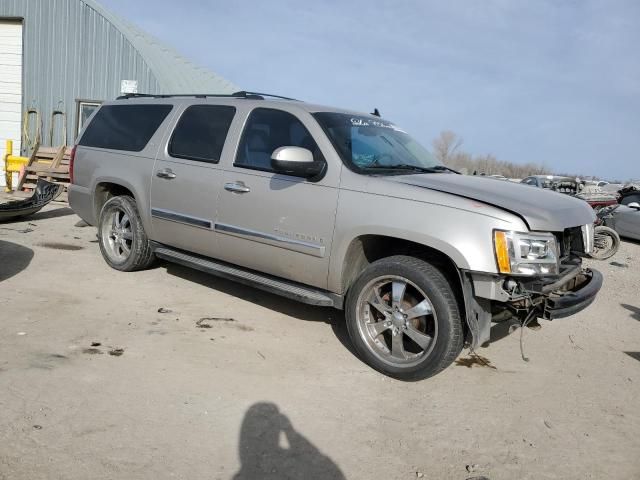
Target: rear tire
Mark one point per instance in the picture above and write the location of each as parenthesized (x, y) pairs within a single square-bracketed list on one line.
[(123, 241), (403, 318), (606, 243)]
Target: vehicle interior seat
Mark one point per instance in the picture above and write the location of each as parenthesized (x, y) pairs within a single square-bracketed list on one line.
[(257, 150)]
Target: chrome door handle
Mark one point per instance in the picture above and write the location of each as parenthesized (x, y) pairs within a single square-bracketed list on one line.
[(166, 173), (237, 187)]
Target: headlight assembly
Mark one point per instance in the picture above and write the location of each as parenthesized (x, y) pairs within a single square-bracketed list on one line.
[(523, 253)]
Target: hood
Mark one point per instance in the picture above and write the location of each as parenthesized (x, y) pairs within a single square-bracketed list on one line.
[(543, 210)]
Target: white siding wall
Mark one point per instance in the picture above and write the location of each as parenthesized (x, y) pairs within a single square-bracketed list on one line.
[(10, 88)]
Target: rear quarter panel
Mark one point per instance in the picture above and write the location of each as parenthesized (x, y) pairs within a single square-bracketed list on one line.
[(95, 166), (132, 170)]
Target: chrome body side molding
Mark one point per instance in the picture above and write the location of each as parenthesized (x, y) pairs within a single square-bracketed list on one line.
[(300, 246), (180, 218)]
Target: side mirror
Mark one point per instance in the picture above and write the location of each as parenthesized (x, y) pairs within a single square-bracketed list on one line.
[(635, 205), (296, 161)]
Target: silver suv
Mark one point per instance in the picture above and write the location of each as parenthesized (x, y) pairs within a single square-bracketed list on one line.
[(333, 208)]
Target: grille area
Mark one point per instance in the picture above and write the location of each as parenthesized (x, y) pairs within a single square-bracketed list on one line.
[(570, 243)]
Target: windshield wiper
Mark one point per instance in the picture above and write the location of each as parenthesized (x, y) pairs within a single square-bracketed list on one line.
[(412, 168), (442, 168)]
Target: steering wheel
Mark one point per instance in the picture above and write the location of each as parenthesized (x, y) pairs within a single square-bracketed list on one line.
[(378, 160)]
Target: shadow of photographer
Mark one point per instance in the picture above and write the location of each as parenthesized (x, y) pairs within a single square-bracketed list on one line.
[(262, 453)]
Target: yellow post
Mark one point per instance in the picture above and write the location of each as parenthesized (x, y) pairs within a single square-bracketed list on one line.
[(12, 163), (8, 176)]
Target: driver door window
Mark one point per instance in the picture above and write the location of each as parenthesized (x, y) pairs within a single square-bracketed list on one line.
[(265, 131)]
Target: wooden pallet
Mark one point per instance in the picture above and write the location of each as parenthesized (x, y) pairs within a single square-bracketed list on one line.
[(50, 163)]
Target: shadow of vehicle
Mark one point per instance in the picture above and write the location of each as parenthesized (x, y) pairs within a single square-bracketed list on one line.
[(55, 213), (635, 311), (634, 355), (632, 241), (13, 259), (512, 326), (262, 455), (503, 329), (283, 305)]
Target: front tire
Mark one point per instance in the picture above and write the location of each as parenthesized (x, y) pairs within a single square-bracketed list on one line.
[(123, 241), (403, 318)]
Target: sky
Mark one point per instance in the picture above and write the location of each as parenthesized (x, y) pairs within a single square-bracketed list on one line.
[(552, 82)]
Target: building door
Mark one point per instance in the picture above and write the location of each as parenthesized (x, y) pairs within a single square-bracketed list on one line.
[(10, 87)]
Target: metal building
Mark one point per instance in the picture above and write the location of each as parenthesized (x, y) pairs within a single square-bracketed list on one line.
[(70, 55)]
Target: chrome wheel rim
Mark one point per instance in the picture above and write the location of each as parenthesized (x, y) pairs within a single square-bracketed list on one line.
[(397, 321), (117, 235)]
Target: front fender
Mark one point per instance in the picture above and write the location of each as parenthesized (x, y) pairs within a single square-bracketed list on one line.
[(465, 236)]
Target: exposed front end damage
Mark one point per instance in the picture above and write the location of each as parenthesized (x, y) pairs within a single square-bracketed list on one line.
[(497, 298), (519, 296)]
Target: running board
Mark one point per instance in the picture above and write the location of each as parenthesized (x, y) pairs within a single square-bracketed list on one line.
[(268, 283)]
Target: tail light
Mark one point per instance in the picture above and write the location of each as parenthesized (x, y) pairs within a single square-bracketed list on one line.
[(72, 158)]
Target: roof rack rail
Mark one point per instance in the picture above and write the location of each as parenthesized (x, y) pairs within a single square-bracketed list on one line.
[(240, 94), (127, 96), (260, 96)]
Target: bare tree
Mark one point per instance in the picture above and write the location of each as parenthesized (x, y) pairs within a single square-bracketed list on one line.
[(445, 145), (447, 149)]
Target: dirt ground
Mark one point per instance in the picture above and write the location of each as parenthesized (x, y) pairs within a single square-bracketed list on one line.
[(95, 382)]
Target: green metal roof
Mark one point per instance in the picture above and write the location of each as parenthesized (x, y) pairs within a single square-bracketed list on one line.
[(174, 73)]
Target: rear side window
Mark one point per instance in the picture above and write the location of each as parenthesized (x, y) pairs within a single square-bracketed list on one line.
[(201, 132), (124, 127)]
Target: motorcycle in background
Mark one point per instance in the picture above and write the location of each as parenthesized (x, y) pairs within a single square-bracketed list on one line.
[(606, 240)]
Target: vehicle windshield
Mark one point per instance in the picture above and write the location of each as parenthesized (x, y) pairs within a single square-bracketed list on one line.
[(375, 146)]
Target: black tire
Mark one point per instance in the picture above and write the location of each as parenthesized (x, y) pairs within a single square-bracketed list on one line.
[(447, 321), (606, 243), (140, 254)]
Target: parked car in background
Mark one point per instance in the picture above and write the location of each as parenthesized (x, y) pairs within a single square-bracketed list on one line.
[(498, 177), (629, 194), (572, 186), (625, 220), (612, 187), (553, 182), (597, 198), (335, 208)]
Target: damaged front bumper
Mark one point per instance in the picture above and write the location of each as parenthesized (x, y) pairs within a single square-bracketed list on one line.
[(491, 298), (573, 296)]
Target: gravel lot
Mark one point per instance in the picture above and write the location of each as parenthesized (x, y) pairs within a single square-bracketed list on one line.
[(95, 382)]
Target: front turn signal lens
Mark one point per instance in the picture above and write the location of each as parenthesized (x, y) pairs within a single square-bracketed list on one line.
[(502, 251)]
